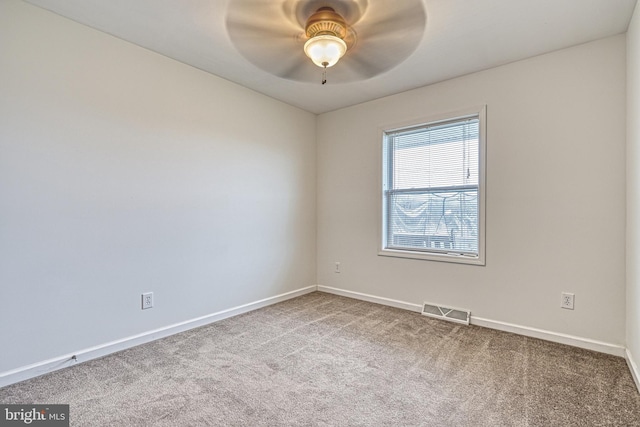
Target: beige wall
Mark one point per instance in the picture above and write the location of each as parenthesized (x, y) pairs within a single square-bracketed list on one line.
[(555, 194), (633, 188), (122, 171)]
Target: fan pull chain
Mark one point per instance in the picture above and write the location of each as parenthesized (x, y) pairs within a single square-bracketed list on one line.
[(324, 72)]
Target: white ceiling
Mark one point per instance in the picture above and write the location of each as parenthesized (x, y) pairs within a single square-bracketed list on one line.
[(461, 37)]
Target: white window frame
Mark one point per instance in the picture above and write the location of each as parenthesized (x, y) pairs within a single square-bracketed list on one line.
[(480, 112)]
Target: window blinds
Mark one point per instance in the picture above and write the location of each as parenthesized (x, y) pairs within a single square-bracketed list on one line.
[(431, 187)]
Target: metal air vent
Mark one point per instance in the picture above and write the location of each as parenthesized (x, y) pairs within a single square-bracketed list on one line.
[(446, 313)]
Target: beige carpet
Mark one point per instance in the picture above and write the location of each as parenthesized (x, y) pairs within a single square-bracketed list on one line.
[(324, 360)]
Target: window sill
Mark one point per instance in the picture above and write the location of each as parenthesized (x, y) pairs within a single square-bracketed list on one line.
[(455, 258)]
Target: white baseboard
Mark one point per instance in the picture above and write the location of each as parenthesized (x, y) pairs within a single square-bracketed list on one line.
[(633, 368), (574, 341), (371, 298), (40, 368), (586, 343)]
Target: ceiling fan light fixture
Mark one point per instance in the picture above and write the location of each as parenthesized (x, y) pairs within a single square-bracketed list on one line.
[(325, 50), (326, 30)]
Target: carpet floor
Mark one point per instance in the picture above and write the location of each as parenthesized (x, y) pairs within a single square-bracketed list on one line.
[(325, 360)]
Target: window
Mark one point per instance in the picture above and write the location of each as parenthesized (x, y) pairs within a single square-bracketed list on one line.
[(433, 190)]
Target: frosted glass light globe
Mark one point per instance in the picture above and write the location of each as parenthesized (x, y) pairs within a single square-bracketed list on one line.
[(325, 50)]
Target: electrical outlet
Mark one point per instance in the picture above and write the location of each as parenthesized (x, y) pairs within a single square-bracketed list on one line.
[(567, 300), (337, 270), (147, 300)]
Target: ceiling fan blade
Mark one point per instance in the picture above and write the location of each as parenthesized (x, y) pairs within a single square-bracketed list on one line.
[(300, 70), (254, 31), (363, 67), (407, 14), (386, 38), (263, 36), (376, 54)]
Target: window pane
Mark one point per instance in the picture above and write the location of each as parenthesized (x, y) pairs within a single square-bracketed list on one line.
[(438, 221)]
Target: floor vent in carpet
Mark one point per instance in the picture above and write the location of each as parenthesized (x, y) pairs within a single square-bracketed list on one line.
[(451, 314)]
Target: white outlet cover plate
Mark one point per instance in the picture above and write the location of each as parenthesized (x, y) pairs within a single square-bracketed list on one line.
[(567, 300), (147, 300)]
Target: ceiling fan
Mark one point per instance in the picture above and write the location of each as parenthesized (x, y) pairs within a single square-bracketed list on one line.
[(292, 38)]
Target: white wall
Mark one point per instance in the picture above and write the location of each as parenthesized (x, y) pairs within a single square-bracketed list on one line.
[(122, 171), (555, 194), (633, 188)]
